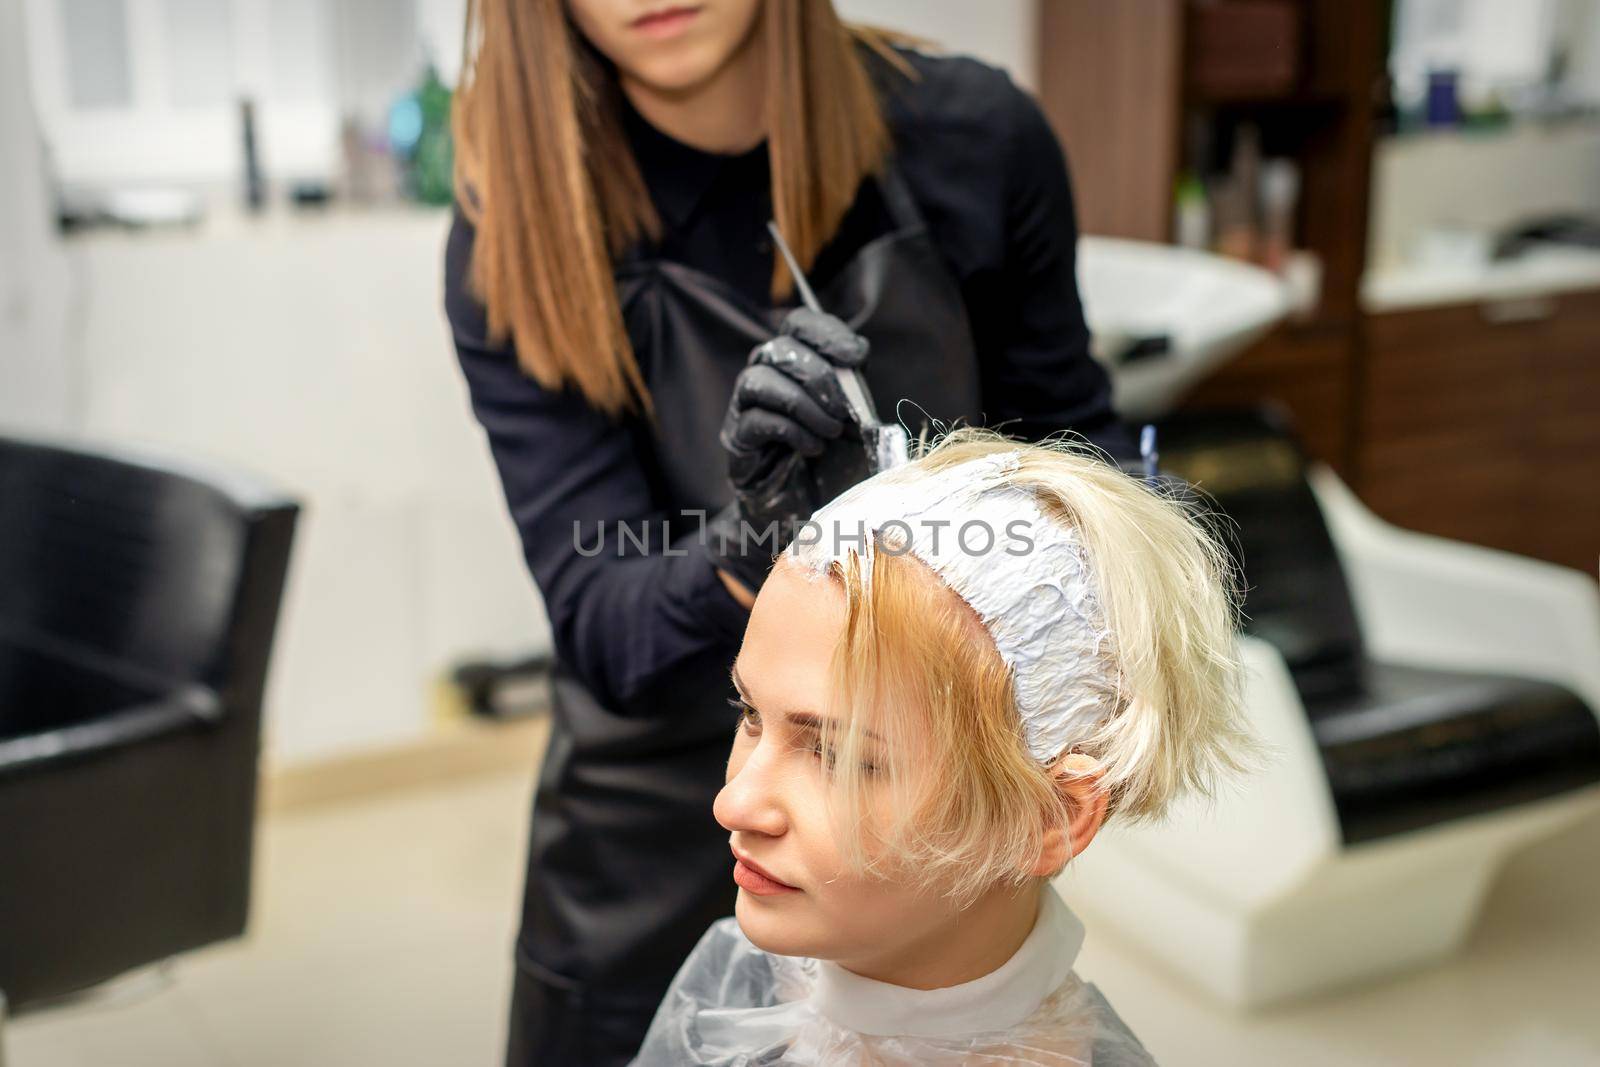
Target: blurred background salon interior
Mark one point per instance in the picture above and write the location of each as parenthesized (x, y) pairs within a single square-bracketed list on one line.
[(274, 678)]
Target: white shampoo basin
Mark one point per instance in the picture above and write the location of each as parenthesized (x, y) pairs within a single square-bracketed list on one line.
[(1163, 318)]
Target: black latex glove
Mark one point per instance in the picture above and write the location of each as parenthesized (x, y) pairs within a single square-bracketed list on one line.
[(786, 405)]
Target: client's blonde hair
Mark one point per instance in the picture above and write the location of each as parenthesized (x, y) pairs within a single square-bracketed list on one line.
[(979, 806)]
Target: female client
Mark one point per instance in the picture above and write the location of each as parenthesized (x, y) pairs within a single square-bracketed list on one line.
[(956, 673)]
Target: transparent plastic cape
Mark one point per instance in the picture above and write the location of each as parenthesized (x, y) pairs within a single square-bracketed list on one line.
[(734, 1005)]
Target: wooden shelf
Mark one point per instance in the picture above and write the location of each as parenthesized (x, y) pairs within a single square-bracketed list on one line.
[(1118, 83), (1269, 102)]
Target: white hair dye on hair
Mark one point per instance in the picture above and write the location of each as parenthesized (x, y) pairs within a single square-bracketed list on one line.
[(1025, 576)]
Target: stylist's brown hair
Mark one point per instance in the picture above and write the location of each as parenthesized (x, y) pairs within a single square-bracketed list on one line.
[(545, 174)]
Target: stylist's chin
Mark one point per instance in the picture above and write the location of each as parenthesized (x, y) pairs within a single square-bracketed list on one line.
[(664, 47)]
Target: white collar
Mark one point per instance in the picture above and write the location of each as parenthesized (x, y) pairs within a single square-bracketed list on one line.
[(998, 1000)]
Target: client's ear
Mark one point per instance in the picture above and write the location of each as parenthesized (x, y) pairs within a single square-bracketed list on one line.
[(1077, 776)]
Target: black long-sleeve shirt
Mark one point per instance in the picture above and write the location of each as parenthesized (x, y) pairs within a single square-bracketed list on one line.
[(990, 179)]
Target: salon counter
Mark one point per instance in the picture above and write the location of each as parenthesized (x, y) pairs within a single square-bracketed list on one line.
[(1530, 277)]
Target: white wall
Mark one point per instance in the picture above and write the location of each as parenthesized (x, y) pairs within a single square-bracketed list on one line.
[(999, 32), (37, 377), (314, 351), (1482, 181)]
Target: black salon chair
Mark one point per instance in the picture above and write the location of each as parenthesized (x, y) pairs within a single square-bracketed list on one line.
[(1428, 707), (138, 601), (1403, 746)]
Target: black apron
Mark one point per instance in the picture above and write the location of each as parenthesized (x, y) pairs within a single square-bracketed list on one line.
[(626, 865)]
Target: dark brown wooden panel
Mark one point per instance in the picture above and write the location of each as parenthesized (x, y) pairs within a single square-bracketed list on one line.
[(1482, 422), (1109, 81), (1565, 386)]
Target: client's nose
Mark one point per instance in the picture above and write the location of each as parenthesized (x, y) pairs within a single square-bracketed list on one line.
[(750, 802)]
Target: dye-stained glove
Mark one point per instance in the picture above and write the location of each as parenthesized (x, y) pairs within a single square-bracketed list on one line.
[(786, 406)]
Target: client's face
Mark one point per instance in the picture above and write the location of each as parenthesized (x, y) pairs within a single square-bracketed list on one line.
[(795, 898)]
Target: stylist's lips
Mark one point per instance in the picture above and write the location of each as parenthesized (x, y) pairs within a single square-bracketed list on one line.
[(667, 21), (753, 879)]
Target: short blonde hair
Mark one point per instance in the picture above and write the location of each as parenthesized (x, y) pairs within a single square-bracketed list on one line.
[(979, 806)]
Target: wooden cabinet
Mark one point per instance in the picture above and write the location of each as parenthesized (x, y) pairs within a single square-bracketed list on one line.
[(1481, 422)]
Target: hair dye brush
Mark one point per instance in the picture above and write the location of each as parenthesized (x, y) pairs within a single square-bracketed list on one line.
[(868, 446)]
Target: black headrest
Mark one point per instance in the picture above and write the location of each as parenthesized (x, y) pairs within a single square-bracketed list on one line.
[(1249, 466)]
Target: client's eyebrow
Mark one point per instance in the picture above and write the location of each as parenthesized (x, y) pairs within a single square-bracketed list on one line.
[(801, 720), (738, 683)]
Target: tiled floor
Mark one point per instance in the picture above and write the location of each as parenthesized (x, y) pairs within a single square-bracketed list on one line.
[(381, 933)]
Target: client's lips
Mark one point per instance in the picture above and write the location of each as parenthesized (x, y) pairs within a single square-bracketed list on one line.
[(753, 879)]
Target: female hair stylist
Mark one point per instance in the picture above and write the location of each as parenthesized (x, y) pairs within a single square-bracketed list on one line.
[(607, 278)]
